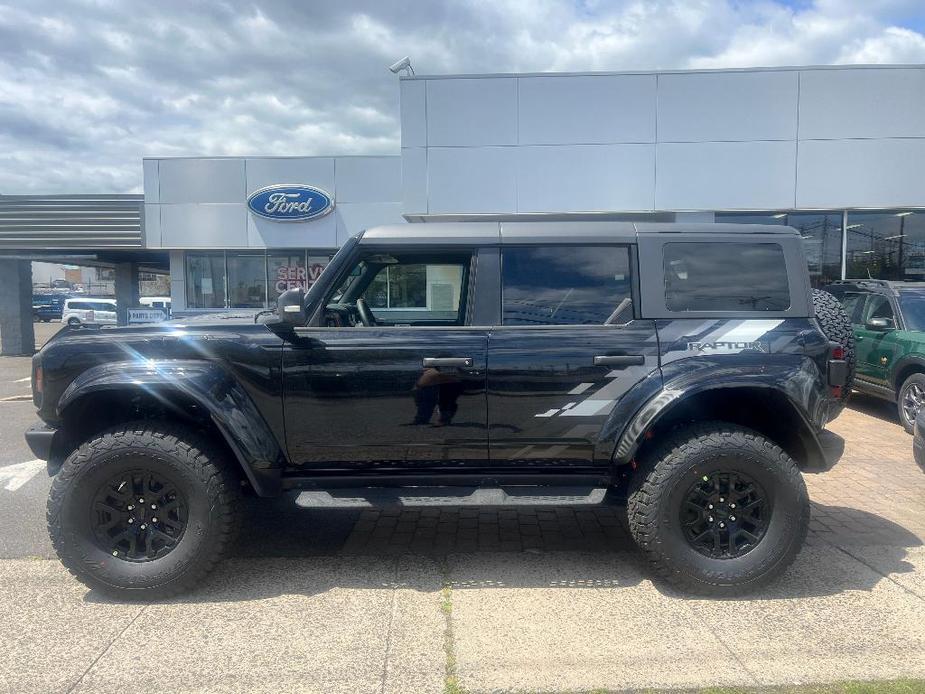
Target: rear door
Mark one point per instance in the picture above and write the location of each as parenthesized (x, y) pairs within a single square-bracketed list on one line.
[(567, 350)]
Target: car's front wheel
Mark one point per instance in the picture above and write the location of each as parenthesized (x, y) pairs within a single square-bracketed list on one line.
[(910, 399), (143, 510), (718, 509)]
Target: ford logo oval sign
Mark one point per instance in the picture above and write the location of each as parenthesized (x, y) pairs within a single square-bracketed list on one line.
[(290, 202)]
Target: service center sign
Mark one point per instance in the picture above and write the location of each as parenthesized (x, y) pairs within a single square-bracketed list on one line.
[(290, 202)]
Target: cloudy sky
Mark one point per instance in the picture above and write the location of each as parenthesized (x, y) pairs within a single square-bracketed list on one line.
[(89, 87)]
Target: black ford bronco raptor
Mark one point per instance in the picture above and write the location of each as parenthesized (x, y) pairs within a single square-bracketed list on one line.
[(683, 368)]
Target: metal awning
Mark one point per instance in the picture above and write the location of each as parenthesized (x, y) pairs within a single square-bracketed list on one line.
[(52, 222)]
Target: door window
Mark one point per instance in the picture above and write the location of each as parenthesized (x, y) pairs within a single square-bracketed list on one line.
[(566, 285), (851, 304), (877, 306), (403, 289)]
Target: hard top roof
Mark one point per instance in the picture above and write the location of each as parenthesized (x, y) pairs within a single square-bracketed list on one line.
[(443, 233)]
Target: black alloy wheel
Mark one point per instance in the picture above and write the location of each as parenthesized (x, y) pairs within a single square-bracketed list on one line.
[(717, 508), (144, 510), (725, 515), (138, 516)]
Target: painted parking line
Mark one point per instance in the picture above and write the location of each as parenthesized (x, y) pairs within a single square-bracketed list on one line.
[(17, 398), (12, 477), (23, 380)]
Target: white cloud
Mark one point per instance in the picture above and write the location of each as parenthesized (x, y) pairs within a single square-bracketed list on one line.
[(88, 87)]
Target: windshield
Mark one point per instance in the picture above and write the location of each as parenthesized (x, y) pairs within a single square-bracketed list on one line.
[(912, 303)]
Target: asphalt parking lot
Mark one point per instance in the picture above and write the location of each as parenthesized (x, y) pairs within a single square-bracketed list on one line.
[(482, 599)]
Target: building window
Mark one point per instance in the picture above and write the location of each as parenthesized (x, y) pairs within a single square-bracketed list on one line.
[(205, 280), (247, 280), (888, 245), (707, 276), (254, 280), (286, 271), (565, 285), (822, 238)]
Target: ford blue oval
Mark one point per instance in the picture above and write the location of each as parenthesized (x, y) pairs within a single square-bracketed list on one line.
[(290, 202)]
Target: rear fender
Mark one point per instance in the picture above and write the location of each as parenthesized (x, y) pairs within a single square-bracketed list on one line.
[(773, 385), (230, 408)]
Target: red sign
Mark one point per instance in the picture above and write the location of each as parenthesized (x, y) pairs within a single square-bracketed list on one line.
[(292, 276)]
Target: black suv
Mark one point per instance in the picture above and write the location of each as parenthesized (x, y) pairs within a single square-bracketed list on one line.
[(682, 368), (888, 320)]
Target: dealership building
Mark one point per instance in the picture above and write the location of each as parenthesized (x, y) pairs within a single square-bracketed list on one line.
[(834, 151)]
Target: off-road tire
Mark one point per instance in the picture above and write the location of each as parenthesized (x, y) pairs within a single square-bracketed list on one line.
[(836, 325), (200, 470), (916, 379), (658, 491)]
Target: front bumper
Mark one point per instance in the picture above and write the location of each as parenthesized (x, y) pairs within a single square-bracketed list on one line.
[(918, 440), (40, 438)]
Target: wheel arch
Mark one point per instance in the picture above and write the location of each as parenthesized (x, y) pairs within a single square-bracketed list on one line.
[(197, 393), (904, 368), (768, 411)]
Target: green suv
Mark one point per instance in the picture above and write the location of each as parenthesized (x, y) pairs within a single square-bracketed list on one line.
[(889, 333)]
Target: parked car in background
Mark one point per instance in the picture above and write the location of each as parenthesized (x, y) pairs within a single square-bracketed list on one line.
[(888, 319), (47, 307), (89, 311), (156, 302)]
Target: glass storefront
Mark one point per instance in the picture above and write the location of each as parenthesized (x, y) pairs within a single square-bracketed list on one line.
[(877, 244), (888, 245), (248, 279), (205, 280)]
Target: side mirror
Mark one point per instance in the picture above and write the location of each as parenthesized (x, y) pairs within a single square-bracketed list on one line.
[(880, 325), (290, 307)]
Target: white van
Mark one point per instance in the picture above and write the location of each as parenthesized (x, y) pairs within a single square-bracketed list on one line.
[(155, 302), (89, 311)]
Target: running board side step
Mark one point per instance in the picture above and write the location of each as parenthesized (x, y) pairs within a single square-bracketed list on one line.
[(452, 496)]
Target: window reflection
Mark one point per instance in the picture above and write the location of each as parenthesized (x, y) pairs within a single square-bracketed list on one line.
[(822, 238), (205, 280), (566, 285), (887, 245), (254, 279), (247, 281)]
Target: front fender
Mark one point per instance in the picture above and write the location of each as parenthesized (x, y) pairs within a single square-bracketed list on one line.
[(229, 406)]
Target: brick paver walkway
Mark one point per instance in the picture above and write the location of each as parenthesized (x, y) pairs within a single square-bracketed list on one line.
[(874, 496)]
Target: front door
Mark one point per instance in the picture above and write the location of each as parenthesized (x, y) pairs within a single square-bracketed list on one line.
[(566, 352), (396, 376), (876, 349)]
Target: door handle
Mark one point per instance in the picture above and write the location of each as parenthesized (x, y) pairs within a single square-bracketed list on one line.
[(620, 360), (447, 361)]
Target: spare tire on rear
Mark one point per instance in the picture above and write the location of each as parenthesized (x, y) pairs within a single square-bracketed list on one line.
[(836, 326)]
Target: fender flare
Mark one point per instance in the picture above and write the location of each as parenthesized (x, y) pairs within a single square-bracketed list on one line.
[(900, 366), (669, 398), (230, 407)]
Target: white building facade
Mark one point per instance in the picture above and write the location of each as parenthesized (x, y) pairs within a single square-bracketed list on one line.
[(835, 151)]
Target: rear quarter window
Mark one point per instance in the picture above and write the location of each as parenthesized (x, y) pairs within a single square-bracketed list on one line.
[(725, 276)]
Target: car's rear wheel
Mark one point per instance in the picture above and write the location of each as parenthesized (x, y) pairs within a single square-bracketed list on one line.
[(718, 509), (73, 321), (910, 399), (143, 510)]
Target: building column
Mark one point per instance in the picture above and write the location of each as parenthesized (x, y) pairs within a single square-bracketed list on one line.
[(126, 290), (16, 334)]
